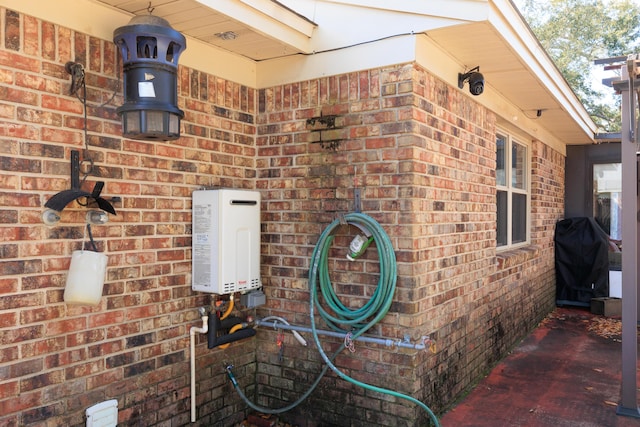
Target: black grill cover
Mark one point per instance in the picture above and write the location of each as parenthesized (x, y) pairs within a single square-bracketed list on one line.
[(582, 261)]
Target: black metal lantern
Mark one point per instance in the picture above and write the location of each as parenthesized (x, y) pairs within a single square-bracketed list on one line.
[(150, 50)]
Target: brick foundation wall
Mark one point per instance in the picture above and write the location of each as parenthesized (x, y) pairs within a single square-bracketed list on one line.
[(56, 359), (423, 156)]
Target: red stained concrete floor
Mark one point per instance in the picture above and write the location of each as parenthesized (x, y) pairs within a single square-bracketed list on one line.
[(561, 375)]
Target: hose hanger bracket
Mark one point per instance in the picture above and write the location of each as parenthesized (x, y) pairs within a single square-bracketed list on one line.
[(349, 343), (344, 221)]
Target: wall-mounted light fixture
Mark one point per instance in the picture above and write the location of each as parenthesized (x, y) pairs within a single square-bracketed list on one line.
[(150, 50), (475, 79)]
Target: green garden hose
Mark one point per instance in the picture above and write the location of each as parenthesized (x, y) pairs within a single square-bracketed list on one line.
[(358, 320), (362, 319)]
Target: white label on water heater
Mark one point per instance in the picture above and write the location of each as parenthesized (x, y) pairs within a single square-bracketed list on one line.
[(146, 90)]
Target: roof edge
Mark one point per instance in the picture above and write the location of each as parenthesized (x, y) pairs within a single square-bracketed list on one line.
[(510, 24)]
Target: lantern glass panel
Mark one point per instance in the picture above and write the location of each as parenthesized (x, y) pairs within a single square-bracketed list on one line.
[(174, 124), (132, 122), (155, 121)]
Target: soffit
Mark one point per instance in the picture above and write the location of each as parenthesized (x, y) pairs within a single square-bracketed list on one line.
[(264, 28), (531, 83), (492, 37)]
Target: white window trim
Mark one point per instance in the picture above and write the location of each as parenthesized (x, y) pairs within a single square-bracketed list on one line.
[(510, 139)]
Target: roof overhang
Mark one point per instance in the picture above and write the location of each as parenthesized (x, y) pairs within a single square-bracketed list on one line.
[(258, 29), (286, 41), (514, 63)]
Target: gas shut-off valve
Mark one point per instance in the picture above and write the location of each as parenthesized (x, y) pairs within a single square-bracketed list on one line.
[(358, 245)]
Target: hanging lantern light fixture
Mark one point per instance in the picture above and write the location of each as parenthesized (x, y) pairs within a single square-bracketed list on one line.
[(150, 50)]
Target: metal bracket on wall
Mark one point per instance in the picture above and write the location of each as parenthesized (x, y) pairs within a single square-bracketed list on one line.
[(322, 124), (60, 200)]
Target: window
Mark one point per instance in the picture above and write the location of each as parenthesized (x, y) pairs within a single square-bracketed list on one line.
[(607, 198), (512, 192)]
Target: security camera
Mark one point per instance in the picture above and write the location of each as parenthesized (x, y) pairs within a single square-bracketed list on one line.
[(475, 79), (476, 84)]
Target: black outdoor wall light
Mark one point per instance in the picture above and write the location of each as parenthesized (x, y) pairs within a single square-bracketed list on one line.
[(150, 50), (475, 79)]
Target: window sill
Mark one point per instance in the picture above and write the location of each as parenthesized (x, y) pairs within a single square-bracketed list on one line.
[(513, 257)]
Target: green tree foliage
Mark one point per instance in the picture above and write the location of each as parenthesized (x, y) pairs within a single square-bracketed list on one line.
[(577, 32)]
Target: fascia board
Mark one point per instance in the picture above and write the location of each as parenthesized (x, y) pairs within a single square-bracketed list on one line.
[(458, 10), (282, 14), (342, 25), (296, 68), (282, 25), (509, 24)]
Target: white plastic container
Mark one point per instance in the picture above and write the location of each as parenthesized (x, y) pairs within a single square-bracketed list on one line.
[(103, 414), (86, 278)]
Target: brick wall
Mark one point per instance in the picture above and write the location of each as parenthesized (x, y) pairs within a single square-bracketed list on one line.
[(57, 359), (423, 155)]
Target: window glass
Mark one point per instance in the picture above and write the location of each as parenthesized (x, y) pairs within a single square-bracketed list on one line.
[(518, 166), (501, 231), (519, 221), (501, 177), (512, 192)]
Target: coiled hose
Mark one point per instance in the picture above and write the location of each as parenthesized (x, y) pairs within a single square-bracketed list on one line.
[(358, 320), (362, 319)]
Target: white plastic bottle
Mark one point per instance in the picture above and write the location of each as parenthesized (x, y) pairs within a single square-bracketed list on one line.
[(86, 277)]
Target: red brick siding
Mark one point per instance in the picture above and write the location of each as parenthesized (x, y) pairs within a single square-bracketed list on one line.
[(56, 359), (423, 155)]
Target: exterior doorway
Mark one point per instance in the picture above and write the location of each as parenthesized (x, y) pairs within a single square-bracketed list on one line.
[(593, 179)]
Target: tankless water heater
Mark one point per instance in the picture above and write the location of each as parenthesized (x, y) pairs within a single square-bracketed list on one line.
[(226, 241)]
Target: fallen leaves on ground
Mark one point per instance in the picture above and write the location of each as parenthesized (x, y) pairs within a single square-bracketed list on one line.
[(606, 327)]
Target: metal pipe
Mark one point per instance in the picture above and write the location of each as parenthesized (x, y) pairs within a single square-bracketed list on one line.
[(382, 341), (297, 336)]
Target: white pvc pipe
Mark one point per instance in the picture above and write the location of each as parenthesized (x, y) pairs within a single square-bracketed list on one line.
[(192, 353)]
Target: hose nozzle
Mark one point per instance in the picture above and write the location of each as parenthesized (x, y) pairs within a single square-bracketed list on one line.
[(232, 377), (358, 245)]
